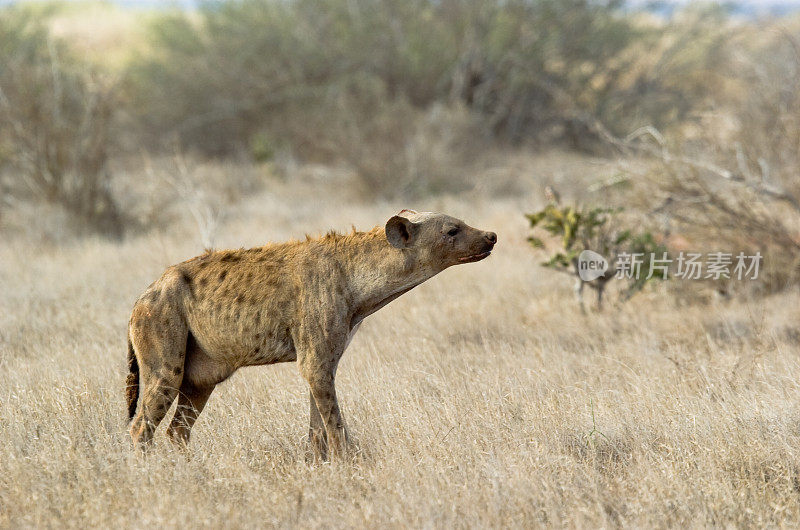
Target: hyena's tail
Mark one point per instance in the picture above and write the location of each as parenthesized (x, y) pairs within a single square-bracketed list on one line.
[(132, 382)]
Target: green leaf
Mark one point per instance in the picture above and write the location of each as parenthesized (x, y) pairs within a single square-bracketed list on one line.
[(536, 242)]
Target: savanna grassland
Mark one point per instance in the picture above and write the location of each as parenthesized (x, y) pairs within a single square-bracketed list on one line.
[(482, 398), (132, 139)]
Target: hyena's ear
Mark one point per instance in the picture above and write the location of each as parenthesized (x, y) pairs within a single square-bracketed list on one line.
[(400, 232)]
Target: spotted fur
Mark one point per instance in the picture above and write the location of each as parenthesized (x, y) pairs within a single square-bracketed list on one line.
[(300, 301)]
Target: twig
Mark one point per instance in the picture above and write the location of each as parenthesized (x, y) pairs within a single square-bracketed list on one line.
[(594, 430)]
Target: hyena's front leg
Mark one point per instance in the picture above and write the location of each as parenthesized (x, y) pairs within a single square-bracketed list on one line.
[(317, 439), (324, 394), (318, 354)]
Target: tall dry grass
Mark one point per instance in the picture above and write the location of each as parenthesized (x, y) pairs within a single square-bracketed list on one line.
[(482, 398)]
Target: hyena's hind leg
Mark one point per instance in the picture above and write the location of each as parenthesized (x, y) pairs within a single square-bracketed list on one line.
[(191, 400), (201, 374), (159, 385), (158, 332)]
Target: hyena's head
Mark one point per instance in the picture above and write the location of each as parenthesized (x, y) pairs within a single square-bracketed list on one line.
[(437, 240)]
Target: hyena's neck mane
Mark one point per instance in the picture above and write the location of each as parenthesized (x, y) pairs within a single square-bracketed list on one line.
[(375, 271)]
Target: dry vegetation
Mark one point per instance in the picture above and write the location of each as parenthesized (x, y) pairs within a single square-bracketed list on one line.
[(471, 398), (482, 398)]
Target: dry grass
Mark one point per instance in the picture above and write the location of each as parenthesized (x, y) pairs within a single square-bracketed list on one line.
[(471, 398)]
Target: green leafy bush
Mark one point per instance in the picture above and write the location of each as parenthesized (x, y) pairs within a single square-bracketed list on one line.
[(600, 230)]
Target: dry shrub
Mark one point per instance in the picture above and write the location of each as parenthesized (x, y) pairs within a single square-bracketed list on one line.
[(530, 71), (394, 149), (733, 217), (58, 132), (734, 187), (165, 191), (704, 207), (766, 144), (402, 152)]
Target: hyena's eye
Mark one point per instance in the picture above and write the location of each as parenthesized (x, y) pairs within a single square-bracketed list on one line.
[(453, 231)]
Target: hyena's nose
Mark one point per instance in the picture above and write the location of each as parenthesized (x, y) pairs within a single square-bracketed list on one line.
[(491, 237)]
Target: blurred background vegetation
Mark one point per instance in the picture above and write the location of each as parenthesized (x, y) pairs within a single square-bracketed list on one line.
[(109, 114)]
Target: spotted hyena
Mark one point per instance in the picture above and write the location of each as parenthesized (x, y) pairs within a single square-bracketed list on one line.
[(298, 301)]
